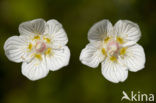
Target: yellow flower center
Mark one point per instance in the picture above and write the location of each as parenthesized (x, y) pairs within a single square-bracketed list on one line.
[(113, 48), (39, 45)]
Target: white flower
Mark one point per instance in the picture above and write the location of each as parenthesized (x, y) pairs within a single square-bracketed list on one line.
[(115, 48), (41, 47)]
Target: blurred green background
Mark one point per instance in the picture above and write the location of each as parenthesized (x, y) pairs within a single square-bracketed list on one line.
[(76, 83)]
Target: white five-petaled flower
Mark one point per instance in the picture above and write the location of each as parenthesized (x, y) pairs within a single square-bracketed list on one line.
[(115, 48), (41, 47)]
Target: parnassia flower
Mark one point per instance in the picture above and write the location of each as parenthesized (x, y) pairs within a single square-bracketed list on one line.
[(115, 48), (41, 47)]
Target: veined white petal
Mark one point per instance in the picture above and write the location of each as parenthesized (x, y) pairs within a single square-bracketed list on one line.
[(35, 69), (114, 71), (32, 27), (100, 30), (58, 35), (134, 58), (92, 55), (15, 49), (58, 59), (128, 31)]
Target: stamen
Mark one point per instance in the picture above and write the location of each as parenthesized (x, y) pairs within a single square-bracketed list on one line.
[(30, 46), (123, 51), (120, 40), (104, 52), (106, 39), (36, 37), (113, 58), (38, 56), (48, 51), (47, 40)]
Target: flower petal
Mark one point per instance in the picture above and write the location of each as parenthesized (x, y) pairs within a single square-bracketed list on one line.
[(15, 49), (58, 35), (100, 30), (32, 27), (114, 71), (92, 55), (129, 31), (35, 69), (58, 59), (134, 58)]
